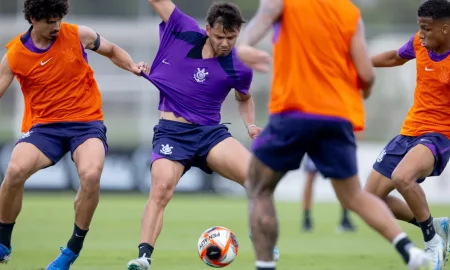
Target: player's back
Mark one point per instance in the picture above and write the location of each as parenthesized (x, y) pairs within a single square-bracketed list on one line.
[(313, 69)]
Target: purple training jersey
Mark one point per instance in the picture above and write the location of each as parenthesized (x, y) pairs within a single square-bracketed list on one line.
[(191, 87), (407, 52)]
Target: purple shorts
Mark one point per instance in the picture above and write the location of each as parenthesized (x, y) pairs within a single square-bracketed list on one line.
[(57, 139), (397, 148), (328, 141)]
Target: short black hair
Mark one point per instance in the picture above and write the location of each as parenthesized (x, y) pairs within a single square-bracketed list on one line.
[(45, 9), (227, 14), (435, 9)]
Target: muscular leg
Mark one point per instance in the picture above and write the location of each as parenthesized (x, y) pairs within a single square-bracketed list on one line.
[(222, 159), (89, 158), (381, 186), (373, 211), (165, 176), (26, 159), (418, 163), (261, 184)]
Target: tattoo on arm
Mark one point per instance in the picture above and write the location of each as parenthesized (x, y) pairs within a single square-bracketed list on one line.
[(268, 13)]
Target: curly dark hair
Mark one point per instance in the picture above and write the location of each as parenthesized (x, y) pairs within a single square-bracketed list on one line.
[(227, 14), (45, 9), (435, 9)]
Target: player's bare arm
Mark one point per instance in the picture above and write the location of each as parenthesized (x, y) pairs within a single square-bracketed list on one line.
[(6, 75), (247, 110), (92, 41), (388, 59), (361, 60), (163, 8), (268, 13)]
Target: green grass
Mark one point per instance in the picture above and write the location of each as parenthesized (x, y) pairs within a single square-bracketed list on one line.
[(46, 221)]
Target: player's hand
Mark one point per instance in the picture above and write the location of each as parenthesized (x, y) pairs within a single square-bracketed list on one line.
[(140, 68), (254, 131), (256, 59)]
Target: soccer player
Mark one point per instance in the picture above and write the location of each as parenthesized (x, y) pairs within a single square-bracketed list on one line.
[(320, 64), (345, 224), (422, 147), (62, 113), (194, 70)]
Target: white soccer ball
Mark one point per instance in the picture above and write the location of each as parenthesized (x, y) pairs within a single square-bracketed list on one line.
[(217, 247)]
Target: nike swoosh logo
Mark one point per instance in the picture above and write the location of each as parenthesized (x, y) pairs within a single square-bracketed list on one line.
[(43, 63)]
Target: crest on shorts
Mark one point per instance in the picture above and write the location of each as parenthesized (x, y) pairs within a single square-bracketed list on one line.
[(200, 75), (381, 156), (166, 149)]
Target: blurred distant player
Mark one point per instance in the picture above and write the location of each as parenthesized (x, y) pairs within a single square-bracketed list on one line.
[(422, 148), (62, 113), (194, 70), (320, 64), (311, 172)]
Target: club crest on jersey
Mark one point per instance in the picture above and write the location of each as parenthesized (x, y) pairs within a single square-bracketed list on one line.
[(200, 75)]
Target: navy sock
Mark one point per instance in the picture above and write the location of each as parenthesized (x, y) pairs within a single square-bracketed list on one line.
[(75, 243), (260, 265), (145, 250), (427, 229), (344, 214), (403, 245), (5, 233), (414, 222), (306, 213)]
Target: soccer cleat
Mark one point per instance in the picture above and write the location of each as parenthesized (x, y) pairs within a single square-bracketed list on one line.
[(142, 263), (5, 254), (435, 249), (64, 260), (419, 260), (441, 225), (276, 252)]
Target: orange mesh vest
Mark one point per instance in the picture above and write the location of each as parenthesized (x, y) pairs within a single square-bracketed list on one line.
[(58, 85)]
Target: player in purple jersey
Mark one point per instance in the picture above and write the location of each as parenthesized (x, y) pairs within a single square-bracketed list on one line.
[(194, 70)]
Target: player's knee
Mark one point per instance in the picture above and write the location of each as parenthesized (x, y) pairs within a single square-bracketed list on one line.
[(402, 179), (161, 190), (16, 174), (90, 178)]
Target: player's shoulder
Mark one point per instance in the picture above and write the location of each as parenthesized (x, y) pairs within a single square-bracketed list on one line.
[(13, 44)]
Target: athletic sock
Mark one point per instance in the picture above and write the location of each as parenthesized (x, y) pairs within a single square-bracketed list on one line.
[(427, 229), (414, 222), (260, 265), (75, 243), (402, 244), (5, 234), (145, 250)]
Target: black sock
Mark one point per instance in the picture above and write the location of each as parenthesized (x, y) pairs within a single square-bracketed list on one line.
[(403, 246), (427, 229), (5, 233), (145, 250), (344, 214), (260, 265), (306, 213), (75, 243), (414, 222)]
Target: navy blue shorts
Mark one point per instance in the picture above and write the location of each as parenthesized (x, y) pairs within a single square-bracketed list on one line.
[(56, 139), (397, 148), (188, 144), (329, 141)]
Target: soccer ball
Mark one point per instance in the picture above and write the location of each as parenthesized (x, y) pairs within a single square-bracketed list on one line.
[(217, 247)]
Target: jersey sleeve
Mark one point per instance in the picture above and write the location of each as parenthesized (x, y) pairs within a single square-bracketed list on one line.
[(244, 82), (178, 22), (407, 50)]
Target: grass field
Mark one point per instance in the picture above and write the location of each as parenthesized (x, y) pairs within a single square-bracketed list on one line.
[(46, 222)]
